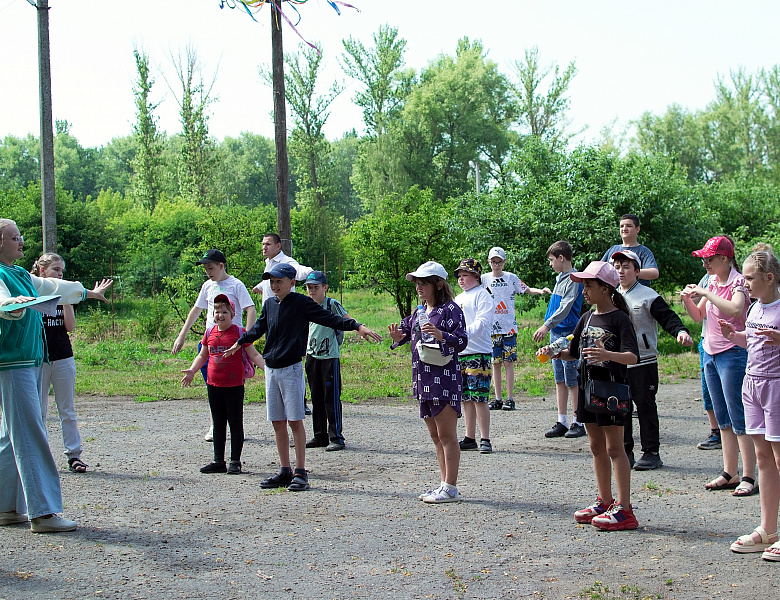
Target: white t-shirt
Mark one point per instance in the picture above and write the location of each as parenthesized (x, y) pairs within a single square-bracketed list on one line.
[(504, 289), (233, 288), (477, 307)]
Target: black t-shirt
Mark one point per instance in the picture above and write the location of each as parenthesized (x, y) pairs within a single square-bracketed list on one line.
[(57, 338), (613, 331)]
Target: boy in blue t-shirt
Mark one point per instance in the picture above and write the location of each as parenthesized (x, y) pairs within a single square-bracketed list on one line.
[(563, 312), (323, 369), (629, 231)]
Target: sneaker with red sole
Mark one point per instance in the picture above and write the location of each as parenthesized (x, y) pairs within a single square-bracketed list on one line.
[(586, 515), (616, 518)]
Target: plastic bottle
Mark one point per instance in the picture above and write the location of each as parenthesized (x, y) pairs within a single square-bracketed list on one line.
[(422, 319), (557, 346)]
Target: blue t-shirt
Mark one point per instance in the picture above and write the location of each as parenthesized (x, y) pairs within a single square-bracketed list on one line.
[(646, 258)]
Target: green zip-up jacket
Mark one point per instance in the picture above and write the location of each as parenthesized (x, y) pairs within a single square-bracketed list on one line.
[(22, 343)]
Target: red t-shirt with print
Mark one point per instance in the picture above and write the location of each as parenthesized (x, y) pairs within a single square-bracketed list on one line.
[(223, 371)]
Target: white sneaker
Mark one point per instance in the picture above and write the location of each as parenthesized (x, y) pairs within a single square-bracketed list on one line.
[(11, 517), (441, 496), (428, 493), (52, 524), (209, 437)]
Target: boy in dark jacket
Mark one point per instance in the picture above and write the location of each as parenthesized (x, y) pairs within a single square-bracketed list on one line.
[(284, 320)]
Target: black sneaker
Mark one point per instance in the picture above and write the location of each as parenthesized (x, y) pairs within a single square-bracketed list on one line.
[(214, 467), (279, 480), (711, 443), (485, 447), (306, 409), (631, 461), (557, 430), (495, 404), (509, 404), (648, 462), (234, 468), (315, 443), (576, 430), (334, 447), (469, 445)]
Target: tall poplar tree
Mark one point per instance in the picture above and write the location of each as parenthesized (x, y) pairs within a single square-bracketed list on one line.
[(148, 157)]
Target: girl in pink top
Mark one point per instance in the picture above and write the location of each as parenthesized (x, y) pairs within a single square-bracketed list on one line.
[(761, 395), (725, 298)]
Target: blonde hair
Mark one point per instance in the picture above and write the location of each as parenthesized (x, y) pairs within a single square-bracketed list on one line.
[(5, 223), (45, 261), (765, 261)]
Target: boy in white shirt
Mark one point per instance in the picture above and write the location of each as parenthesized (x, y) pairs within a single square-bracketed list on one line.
[(218, 282), (504, 285), (477, 306)]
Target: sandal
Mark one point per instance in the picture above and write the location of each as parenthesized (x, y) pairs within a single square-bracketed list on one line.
[(772, 553), (731, 483), (746, 543), (746, 487), (77, 465), (299, 483)]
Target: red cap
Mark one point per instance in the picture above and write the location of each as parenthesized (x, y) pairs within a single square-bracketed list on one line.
[(717, 245)]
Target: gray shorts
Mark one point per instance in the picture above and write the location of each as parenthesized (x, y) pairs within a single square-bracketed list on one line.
[(284, 393)]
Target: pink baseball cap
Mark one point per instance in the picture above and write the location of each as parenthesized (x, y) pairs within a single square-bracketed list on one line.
[(600, 270), (224, 298), (717, 245)]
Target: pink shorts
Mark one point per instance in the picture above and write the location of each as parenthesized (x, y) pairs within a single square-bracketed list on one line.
[(761, 399)]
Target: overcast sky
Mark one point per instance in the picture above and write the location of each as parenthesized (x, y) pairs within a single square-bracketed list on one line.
[(631, 57)]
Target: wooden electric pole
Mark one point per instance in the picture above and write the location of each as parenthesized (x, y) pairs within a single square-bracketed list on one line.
[(280, 129), (48, 204)]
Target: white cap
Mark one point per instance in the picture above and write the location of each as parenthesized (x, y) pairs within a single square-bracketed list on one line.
[(497, 252), (426, 270)]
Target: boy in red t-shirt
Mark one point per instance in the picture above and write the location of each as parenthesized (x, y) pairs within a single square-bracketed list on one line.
[(225, 384)]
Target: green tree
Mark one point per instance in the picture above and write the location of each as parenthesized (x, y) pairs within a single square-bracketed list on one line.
[(543, 112), (310, 112), (245, 170), (18, 161), (197, 156), (679, 134), (147, 161), (394, 240), (380, 70)]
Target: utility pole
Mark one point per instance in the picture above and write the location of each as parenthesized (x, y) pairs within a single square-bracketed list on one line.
[(48, 205), (475, 165), (280, 131)]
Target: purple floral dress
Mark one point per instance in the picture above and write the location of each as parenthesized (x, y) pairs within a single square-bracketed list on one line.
[(431, 383)]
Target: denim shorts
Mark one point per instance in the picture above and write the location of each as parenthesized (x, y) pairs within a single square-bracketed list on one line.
[(565, 371), (725, 372)]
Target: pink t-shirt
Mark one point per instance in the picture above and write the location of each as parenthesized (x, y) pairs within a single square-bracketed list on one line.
[(714, 342), (763, 361)]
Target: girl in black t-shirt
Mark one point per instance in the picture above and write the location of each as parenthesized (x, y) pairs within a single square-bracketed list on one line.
[(608, 343), (60, 371)]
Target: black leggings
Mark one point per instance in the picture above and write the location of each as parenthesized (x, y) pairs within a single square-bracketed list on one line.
[(227, 407)]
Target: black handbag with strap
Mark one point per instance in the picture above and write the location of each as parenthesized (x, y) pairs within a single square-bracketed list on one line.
[(605, 396)]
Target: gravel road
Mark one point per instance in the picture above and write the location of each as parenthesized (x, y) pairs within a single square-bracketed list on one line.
[(151, 526)]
